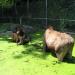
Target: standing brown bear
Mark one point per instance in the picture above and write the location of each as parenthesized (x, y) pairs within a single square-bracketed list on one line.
[(59, 43), (19, 36)]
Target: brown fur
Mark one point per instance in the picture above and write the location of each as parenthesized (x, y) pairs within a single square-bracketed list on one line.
[(19, 36), (60, 43)]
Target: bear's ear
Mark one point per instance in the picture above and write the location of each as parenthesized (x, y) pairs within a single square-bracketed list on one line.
[(50, 27)]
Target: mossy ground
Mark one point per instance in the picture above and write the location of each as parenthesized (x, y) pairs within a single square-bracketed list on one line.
[(30, 59)]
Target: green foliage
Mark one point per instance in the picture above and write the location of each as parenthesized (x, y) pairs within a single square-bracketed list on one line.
[(6, 3), (62, 9)]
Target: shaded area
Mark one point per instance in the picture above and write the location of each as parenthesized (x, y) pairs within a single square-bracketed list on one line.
[(72, 61), (34, 48)]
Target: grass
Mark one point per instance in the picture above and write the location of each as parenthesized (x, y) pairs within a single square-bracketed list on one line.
[(29, 59)]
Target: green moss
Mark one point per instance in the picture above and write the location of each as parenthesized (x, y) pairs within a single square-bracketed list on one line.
[(29, 59)]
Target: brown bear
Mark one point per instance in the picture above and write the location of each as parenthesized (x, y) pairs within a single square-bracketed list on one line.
[(14, 35), (19, 36), (59, 43)]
